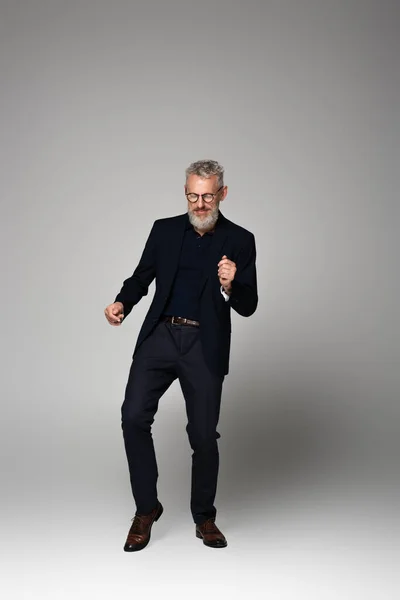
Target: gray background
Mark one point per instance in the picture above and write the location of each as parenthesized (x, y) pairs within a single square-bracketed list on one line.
[(103, 105)]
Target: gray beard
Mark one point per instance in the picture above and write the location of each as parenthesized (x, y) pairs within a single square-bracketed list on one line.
[(204, 224)]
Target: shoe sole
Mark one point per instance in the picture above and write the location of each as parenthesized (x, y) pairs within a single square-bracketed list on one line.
[(198, 534), (141, 546)]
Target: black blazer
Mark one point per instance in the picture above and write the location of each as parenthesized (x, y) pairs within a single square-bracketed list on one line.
[(160, 261)]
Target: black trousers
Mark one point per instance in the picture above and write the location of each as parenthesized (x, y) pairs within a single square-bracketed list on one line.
[(172, 352)]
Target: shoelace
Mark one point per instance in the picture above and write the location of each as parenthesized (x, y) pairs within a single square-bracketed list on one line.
[(137, 526)]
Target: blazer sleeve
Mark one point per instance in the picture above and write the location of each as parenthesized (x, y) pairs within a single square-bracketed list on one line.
[(244, 295), (137, 285)]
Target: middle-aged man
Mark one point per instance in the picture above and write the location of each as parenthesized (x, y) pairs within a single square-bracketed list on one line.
[(203, 265)]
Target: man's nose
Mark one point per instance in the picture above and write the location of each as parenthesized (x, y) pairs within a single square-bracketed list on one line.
[(200, 202)]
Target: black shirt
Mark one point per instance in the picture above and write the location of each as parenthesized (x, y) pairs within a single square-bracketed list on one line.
[(184, 297)]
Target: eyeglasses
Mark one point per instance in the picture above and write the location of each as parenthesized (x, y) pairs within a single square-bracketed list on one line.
[(206, 197)]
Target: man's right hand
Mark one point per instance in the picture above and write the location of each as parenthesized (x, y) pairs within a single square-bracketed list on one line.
[(114, 313)]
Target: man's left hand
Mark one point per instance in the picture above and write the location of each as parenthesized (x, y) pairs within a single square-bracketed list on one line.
[(226, 273)]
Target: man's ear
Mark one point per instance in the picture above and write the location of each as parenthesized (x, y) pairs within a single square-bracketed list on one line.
[(224, 193)]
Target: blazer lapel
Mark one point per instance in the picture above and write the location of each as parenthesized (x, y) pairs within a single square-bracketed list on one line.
[(175, 240), (216, 251)]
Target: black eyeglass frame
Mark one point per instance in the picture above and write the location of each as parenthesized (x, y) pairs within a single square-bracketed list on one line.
[(202, 196)]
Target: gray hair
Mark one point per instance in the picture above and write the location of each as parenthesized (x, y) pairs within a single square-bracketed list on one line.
[(206, 168)]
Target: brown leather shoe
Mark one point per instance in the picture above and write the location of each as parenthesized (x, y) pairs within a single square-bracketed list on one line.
[(140, 530), (210, 534)]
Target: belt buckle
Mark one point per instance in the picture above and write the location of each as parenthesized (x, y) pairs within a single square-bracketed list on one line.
[(172, 321)]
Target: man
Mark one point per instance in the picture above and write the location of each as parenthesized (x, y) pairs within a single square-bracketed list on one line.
[(203, 265)]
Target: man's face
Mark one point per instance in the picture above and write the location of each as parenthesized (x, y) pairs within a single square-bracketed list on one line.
[(203, 215)]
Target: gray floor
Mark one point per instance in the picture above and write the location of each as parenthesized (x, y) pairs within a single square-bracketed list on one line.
[(317, 540)]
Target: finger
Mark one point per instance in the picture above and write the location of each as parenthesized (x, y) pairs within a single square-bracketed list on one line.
[(226, 261), (118, 316), (225, 265), (114, 318)]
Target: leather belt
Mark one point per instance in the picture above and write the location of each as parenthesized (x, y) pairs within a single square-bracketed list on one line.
[(180, 321)]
